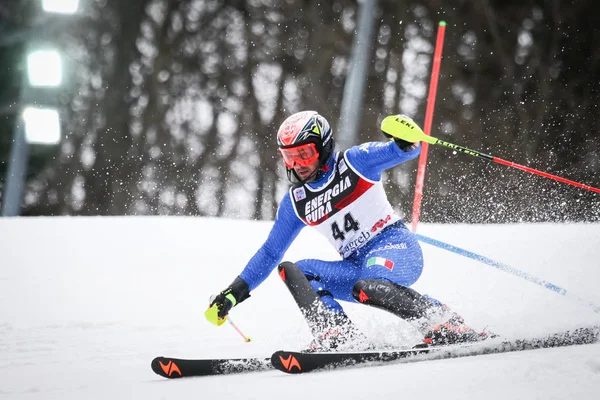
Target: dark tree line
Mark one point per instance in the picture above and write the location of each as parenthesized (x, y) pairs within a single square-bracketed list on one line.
[(174, 104)]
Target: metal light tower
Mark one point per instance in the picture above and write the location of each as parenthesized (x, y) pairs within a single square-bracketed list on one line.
[(38, 119), (358, 70)]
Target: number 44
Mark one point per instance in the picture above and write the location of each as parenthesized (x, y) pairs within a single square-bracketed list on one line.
[(350, 224)]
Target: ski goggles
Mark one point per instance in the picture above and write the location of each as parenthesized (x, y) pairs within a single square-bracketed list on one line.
[(303, 155)]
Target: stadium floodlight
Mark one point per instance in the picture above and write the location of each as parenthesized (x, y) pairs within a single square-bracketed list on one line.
[(44, 68), (42, 125), (60, 6), (39, 122)]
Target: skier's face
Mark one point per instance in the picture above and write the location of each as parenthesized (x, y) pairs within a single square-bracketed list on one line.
[(304, 159), (304, 172)]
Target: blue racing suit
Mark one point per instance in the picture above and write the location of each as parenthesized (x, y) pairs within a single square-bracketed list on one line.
[(349, 207)]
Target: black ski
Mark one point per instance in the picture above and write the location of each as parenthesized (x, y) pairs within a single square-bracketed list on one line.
[(181, 368), (296, 362)]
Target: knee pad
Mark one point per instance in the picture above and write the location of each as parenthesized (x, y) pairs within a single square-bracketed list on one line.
[(288, 270), (298, 284), (294, 271), (293, 275)]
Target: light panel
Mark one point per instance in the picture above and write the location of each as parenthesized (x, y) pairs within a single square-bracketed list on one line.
[(44, 68), (42, 125), (60, 6)]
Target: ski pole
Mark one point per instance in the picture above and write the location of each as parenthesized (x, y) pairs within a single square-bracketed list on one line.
[(403, 128), (246, 338), (212, 315)]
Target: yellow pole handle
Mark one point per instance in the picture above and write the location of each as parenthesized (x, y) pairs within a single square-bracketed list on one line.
[(402, 127)]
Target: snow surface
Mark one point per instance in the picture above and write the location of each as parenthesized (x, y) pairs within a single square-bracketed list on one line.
[(87, 303)]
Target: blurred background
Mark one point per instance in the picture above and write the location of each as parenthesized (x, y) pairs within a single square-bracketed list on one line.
[(170, 107)]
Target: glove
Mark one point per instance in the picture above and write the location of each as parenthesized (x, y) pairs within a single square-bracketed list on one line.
[(222, 303), (403, 144)]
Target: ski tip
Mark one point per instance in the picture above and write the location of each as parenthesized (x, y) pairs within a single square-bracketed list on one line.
[(286, 361), (165, 367)]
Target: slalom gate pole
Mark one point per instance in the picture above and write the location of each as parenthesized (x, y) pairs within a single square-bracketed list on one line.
[(435, 72), (246, 338), (403, 128), (513, 165), (507, 268)]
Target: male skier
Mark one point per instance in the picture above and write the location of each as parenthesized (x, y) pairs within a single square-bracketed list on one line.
[(341, 195)]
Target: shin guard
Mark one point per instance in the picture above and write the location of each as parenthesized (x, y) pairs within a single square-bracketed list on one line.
[(312, 307), (402, 301)]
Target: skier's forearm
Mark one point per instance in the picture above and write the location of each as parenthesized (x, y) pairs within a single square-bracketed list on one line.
[(370, 159), (259, 267)]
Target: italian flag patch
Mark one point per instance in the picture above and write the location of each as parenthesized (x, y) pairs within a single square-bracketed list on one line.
[(389, 264)]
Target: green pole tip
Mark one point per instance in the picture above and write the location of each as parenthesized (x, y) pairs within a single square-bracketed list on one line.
[(442, 23)]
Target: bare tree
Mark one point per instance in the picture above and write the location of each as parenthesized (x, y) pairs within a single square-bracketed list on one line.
[(177, 104)]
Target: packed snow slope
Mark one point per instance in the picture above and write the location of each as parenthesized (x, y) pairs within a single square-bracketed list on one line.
[(87, 303)]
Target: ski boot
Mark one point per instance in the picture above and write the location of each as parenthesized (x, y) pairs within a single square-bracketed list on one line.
[(453, 331), (343, 336)]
